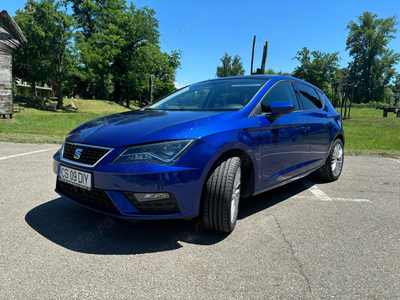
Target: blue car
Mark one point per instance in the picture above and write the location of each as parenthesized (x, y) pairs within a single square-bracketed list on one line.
[(200, 150)]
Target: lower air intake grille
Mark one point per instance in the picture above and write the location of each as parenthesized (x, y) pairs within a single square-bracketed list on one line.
[(96, 198)]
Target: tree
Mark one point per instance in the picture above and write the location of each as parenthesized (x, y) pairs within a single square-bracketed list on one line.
[(104, 48), (28, 61), (47, 55), (230, 67), (98, 40), (396, 90), (318, 68), (271, 71), (163, 69), (137, 29), (120, 43), (372, 66)]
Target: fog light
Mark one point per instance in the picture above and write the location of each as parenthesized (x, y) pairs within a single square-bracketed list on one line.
[(143, 197)]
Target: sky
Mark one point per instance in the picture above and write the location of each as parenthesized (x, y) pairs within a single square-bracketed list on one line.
[(205, 30)]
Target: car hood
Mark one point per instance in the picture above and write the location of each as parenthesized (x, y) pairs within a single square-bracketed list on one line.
[(144, 126)]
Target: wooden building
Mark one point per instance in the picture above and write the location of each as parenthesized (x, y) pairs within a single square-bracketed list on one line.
[(11, 37)]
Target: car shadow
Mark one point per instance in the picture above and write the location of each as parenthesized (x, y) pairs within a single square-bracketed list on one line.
[(82, 230), (270, 198), (79, 229)]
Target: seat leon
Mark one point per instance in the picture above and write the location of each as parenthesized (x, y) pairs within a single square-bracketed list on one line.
[(200, 150)]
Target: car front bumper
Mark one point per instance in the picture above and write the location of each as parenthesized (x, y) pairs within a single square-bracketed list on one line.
[(114, 186)]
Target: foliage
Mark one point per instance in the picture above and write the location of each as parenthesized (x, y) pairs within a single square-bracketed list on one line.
[(118, 43), (105, 49), (230, 67), (318, 68), (29, 61), (371, 104), (396, 90), (47, 56), (372, 66), (271, 71), (389, 96)]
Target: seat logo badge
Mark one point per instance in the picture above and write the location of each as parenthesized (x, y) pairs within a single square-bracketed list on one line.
[(78, 153)]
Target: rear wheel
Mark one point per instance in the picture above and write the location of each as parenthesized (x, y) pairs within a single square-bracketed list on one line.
[(334, 163), (222, 195)]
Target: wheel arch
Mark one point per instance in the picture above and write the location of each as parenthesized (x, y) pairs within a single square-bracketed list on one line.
[(338, 135), (248, 171)]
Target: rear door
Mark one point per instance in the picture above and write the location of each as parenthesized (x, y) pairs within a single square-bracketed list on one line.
[(319, 125)]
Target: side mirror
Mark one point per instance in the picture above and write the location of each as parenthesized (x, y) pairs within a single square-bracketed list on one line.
[(280, 108)]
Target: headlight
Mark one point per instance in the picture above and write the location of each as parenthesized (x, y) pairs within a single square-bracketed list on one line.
[(164, 153)]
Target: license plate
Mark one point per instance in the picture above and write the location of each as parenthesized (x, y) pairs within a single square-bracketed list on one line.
[(75, 177)]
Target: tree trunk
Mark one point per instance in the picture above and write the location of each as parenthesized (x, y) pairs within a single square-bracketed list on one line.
[(150, 91), (128, 98), (59, 97), (33, 90), (351, 100), (128, 101), (102, 93), (117, 92)]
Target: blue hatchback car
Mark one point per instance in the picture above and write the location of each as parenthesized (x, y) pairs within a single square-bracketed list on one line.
[(200, 150)]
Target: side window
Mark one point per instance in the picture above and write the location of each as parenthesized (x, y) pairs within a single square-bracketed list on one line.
[(282, 91), (308, 97)]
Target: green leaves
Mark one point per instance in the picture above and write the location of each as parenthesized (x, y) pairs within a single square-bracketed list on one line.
[(372, 66), (121, 43), (230, 67), (46, 57), (318, 68), (104, 47)]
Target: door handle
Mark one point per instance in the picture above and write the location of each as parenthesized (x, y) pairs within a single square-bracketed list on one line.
[(305, 129), (330, 125)]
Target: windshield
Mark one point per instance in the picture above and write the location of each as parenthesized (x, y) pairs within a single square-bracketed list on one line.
[(226, 94)]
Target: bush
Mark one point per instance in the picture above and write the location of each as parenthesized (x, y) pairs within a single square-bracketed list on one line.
[(371, 103)]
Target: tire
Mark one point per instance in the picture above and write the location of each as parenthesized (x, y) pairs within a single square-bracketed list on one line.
[(221, 196), (334, 163)]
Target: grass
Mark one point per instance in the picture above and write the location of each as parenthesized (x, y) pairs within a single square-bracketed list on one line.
[(367, 132), (39, 124)]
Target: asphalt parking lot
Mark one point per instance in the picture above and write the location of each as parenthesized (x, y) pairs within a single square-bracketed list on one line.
[(307, 240)]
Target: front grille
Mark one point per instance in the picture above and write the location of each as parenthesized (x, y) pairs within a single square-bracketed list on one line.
[(90, 155), (156, 206), (96, 198)]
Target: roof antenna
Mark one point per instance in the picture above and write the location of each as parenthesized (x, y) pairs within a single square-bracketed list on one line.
[(264, 59)]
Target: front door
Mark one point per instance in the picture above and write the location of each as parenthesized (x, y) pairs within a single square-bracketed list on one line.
[(286, 144)]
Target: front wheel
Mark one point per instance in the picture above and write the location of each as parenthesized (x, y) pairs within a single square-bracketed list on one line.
[(222, 194), (334, 163)]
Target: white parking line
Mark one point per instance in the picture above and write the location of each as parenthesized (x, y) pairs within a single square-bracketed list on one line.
[(33, 152), (320, 195), (355, 200), (397, 160), (315, 190)]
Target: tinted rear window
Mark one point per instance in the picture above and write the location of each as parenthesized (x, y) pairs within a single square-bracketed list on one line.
[(308, 97)]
